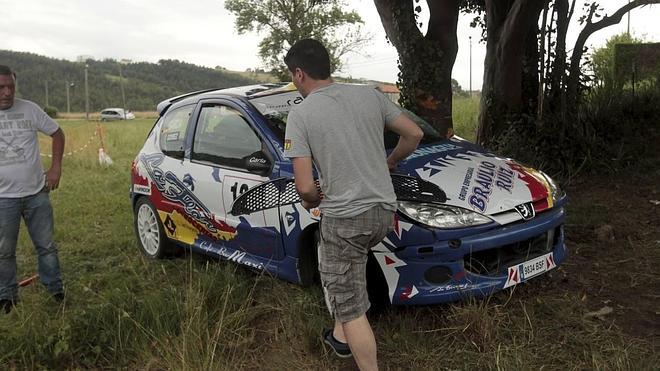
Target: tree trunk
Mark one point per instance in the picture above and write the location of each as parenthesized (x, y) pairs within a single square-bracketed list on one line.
[(425, 61), (511, 28)]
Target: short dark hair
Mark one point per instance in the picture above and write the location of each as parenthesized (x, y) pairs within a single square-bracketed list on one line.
[(310, 56), (5, 70)]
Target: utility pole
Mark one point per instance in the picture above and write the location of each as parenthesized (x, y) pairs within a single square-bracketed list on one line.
[(629, 19), (46, 83), (86, 94), (123, 96), (470, 37), (67, 85)]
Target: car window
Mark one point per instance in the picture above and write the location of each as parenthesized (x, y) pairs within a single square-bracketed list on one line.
[(173, 131), (277, 123), (224, 137)]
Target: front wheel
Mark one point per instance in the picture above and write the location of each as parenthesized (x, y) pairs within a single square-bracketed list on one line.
[(149, 230)]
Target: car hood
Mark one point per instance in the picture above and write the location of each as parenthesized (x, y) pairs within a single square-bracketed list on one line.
[(478, 180)]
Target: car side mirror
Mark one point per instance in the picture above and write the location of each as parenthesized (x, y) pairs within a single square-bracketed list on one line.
[(258, 163)]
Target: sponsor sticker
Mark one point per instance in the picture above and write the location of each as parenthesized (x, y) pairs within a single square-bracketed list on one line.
[(142, 189), (287, 144)]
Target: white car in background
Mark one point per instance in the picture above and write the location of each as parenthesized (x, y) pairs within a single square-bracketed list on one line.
[(110, 114)]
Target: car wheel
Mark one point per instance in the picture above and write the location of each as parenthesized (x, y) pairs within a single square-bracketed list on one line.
[(308, 266), (150, 233), (376, 285)]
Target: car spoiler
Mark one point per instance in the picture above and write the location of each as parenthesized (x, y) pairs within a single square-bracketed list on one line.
[(163, 106)]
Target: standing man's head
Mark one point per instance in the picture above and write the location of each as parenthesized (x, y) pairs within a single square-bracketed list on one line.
[(309, 63), (7, 87)]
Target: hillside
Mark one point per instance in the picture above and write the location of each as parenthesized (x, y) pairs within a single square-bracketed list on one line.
[(145, 84)]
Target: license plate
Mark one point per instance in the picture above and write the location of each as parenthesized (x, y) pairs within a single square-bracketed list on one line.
[(526, 270)]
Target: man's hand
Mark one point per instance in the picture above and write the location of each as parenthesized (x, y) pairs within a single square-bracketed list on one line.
[(391, 164), (310, 205), (305, 184), (409, 136), (53, 176)]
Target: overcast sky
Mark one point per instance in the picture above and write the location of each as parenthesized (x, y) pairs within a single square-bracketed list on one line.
[(202, 32)]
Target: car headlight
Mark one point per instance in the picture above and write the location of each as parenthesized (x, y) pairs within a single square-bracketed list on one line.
[(556, 190), (442, 216)]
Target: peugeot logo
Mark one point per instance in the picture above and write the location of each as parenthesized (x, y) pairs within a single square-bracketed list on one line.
[(526, 210)]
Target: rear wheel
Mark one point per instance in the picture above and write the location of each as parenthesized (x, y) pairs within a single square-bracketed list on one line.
[(150, 233)]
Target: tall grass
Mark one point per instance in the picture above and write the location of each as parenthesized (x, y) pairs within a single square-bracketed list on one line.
[(124, 311), (465, 112)]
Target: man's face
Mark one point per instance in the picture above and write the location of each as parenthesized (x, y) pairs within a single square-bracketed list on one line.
[(298, 77), (7, 90)]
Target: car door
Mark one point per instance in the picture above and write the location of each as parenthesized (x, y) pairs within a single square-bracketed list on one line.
[(178, 210), (223, 145)]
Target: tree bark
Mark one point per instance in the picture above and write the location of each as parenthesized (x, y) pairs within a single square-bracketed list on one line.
[(425, 61), (511, 24)]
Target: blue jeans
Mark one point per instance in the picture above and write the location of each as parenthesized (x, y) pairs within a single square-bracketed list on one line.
[(38, 215)]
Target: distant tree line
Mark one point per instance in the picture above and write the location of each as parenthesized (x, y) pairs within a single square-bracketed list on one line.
[(145, 84)]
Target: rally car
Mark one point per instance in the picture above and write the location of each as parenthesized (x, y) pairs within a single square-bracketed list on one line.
[(498, 223)]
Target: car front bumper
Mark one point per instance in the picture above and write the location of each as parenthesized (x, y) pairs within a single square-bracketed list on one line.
[(476, 265)]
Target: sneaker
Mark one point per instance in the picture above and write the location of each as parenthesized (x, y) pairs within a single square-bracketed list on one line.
[(7, 305), (341, 349), (59, 297)]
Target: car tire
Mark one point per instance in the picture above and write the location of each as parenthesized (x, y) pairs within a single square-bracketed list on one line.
[(308, 266), (149, 230), (377, 285)]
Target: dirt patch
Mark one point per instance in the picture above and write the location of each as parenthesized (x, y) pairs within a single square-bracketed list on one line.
[(613, 235)]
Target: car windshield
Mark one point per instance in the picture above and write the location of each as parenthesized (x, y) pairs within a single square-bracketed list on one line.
[(277, 123)]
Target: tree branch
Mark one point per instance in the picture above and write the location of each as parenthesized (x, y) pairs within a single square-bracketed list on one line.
[(591, 28), (386, 9)]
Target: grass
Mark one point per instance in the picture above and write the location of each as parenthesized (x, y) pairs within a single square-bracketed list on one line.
[(465, 112), (124, 311)]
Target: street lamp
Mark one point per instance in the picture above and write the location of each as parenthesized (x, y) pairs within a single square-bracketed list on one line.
[(47, 100), (121, 85), (470, 37), (67, 85), (86, 94)]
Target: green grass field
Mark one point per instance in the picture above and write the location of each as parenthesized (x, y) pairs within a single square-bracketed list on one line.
[(124, 311)]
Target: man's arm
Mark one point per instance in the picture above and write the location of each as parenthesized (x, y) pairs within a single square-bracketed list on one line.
[(55, 172), (409, 136), (305, 185)]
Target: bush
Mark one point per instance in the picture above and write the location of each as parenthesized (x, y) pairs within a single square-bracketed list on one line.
[(51, 111), (612, 129)]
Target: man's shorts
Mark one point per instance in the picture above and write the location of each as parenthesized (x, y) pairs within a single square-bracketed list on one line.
[(342, 253)]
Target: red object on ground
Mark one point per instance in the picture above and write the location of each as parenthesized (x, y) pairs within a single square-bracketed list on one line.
[(28, 281)]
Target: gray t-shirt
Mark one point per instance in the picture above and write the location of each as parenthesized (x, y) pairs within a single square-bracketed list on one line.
[(341, 127), (21, 171)]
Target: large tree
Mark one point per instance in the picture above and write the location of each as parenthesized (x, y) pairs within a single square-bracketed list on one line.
[(425, 60), (521, 79), (286, 21)]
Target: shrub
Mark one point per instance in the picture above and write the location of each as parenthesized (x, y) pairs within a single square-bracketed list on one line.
[(51, 111)]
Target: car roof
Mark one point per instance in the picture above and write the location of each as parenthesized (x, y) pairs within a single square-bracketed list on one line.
[(248, 91)]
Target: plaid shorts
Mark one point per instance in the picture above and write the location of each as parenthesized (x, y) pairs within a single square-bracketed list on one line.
[(345, 243)]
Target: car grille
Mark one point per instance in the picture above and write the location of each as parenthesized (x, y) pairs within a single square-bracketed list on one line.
[(495, 261)]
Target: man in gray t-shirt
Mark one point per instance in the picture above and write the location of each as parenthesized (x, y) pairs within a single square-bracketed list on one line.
[(24, 188), (339, 129)]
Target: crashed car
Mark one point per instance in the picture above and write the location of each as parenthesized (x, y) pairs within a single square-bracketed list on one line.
[(499, 223)]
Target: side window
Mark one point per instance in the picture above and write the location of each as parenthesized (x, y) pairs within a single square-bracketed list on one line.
[(224, 137), (173, 131)]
